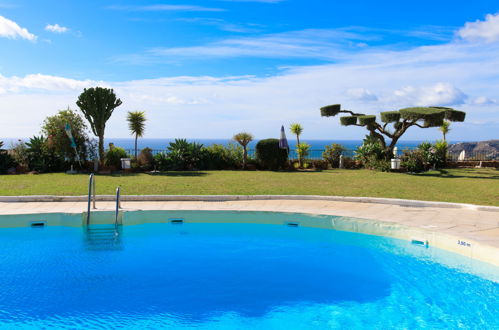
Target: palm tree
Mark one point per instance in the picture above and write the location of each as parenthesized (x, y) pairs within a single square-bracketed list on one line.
[(136, 125), (243, 138), (297, 130), (445, 129)]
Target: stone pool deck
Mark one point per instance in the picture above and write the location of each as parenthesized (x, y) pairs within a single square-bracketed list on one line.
[(465, 229)]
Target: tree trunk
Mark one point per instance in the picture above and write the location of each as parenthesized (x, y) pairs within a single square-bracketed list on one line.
[(389, 149), (381, 138), (297, 148), (101, 149), (444, 137), (245, 157), (136, 136)]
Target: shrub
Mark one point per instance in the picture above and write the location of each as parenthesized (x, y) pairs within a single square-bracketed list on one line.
[(6, 161), (145, 160), (351, 163), (269, 155), (374, 163), (184, 155), (219, 157), (302, 150), (370, 152), (54, 129), (20, 154), (440, 157), (317, 164), (413, 161), (434, 155), (41, 157), (114, 155), (332, 154), (162, 162)]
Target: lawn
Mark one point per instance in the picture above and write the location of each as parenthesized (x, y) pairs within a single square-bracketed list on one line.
[(477, 186)]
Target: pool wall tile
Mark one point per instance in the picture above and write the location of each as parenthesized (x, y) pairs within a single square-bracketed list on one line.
[(476, 251)]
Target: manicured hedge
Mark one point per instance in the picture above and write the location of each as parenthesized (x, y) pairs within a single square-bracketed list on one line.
[(390, 116), (330, 110), (367, 120), (432, 116), (455, 115), (270, 156), (348, 120), (433, 122)]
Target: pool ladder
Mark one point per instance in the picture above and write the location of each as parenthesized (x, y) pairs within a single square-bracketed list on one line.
[(91, 193), (92, 199), (101, 236)]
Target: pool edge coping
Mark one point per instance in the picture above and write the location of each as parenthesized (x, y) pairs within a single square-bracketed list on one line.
[(224, 198)]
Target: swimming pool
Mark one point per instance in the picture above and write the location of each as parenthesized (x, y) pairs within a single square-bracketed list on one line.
[(165, 271)]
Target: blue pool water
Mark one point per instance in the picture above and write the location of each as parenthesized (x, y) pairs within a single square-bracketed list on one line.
[(233, 276)]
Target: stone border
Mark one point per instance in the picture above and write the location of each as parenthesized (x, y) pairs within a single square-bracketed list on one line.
[(224, 198)]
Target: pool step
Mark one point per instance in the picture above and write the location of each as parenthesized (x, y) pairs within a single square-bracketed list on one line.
[(103, 237)]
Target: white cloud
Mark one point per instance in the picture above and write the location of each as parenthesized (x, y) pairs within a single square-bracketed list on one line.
[(440, 94), (41, 82), (487, 30), (362, 94), (166, 8), (198, 107), (312, 43), (56, 28), (223, 24), (10, 29), (483, 100)]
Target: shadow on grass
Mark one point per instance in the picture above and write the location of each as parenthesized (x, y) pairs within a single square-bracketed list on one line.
[(180, 173), (115, 174), (462, 173), (173, 173)]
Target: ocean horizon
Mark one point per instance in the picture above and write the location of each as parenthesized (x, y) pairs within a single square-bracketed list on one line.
[(162, 144)]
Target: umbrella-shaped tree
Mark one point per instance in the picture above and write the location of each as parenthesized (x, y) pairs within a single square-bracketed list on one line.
[(401, 120), (97, 105), (244, 138), (136, 125)]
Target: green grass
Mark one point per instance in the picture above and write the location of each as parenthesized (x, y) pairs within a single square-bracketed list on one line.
[(477, 186)]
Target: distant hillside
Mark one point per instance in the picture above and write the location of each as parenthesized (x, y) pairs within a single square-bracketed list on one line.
[(488, 149)]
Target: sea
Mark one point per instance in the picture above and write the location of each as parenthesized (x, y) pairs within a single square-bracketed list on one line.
[(162, 144)]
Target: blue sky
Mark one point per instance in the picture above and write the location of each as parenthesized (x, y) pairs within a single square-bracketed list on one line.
[(214, 67)]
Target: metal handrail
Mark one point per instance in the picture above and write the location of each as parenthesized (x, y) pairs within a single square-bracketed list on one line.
[(118, 206), (91, 193)]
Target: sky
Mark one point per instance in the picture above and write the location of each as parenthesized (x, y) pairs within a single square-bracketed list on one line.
[(213, 68)]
